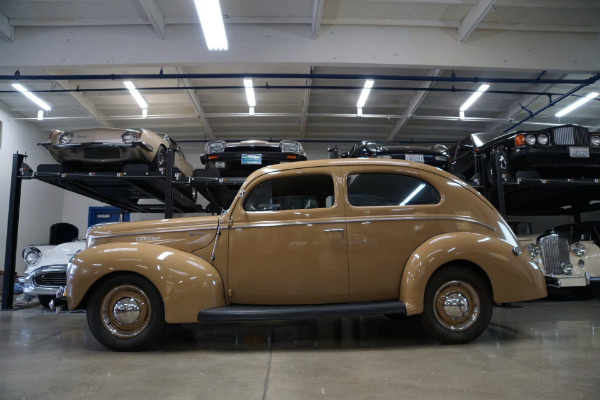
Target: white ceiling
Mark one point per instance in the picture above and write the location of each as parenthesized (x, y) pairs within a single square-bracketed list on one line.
[(314, 56)]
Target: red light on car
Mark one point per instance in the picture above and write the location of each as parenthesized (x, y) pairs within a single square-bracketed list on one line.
[(520, 140), (291, 157), (213, 157)]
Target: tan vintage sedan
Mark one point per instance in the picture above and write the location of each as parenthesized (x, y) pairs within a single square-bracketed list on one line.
[(107, 149), (309, 239)]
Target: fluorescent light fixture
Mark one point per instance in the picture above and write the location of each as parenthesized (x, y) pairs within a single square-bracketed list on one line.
[(211, 19), (144, 113), (40, 116), (136, 95), (250, 92), (365, 94), (577, 104), (462, 115), (359, 111), (474, 97), (32, 96), (251, 111)]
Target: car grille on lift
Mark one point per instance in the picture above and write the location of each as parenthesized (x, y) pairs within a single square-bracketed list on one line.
[(51, 279), (555, 253), (571, 135), (99, 153)]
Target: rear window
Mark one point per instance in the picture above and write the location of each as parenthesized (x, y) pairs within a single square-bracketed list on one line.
[(366, 190)]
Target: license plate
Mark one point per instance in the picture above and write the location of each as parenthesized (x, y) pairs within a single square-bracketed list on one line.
[(415, 157), (252, 159), (579, 152)]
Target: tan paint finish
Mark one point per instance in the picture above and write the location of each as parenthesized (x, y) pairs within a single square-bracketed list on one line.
[(315, 256), (187, 284)]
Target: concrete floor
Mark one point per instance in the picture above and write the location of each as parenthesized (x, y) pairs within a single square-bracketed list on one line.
[(536, 350)]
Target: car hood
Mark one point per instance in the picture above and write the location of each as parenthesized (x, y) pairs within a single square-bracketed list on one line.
[(186, 234), (56, 255)]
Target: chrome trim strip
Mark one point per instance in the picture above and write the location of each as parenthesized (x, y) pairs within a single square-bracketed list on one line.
[(158, 232), (360, 220)]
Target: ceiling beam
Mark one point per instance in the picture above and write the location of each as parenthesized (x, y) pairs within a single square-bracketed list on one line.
[(85, 103), (473, 18), (197, 106), (413, 104), (155, 16), (7, 31), (316, 17)]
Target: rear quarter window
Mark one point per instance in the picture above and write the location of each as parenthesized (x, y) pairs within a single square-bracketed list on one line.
[(365, 190)]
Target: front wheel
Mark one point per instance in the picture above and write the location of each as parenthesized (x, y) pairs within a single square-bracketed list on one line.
[(458, 305), (126, 313)]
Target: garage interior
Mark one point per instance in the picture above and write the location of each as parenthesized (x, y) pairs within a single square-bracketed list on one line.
[(308, 61)]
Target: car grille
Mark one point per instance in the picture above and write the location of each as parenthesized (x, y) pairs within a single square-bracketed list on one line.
[(555, 253), (51, 279), (99, 153), (571, 135)]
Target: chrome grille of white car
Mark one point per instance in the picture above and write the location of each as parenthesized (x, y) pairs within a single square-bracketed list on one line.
[(571, 135), (555, 253), (53, 278)]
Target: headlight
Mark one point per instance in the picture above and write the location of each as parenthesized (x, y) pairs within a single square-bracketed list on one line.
[(530, 140), (31, 255), (567, 268), (542, 139), (534, 250), (372, 147), (578, 249), (290, 146), (66, 137), (440, 147), (128, 136), (216, 146), (441, 158), (595, 140)]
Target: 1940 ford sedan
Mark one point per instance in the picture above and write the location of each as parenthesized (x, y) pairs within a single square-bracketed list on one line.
[(304, 240)]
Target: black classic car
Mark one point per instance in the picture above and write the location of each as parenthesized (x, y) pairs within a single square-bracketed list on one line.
[(567, 151), (239, 159), (436, 155)]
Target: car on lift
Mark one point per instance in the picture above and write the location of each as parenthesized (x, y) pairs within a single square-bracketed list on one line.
[(109, 149), (238, 160), (324, 238), (568, 254), (566, 151), (46, 269), (436, 155)]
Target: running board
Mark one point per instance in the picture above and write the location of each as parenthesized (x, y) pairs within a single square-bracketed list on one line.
[(261, 313)]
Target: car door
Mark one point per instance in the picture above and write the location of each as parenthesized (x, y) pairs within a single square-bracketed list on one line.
[(390, 212), (288, 242)]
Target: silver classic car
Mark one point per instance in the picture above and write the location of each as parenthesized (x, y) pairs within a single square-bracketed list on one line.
[(108, 149)]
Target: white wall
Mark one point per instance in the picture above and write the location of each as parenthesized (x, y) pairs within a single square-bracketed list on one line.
[(41, 203)]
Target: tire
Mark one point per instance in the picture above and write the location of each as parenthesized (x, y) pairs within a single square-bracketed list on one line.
[(491, 167), (456, 323), (139, 322), (159, 159), (44, 300)]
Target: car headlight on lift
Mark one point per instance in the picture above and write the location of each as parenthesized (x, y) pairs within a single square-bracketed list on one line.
[(290, 146), (129, 136), (543, 139), (215, 146), (530, 140), (66, 137), (578, 249), (31, 255), (595, 140)]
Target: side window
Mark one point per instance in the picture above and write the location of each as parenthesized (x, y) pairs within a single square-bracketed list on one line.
[(366, 190), (292, 193)]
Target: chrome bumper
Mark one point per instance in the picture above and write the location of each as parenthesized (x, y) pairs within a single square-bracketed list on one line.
[(562, 281)]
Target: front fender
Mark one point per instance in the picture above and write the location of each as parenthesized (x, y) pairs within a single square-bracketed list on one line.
[(187, 284), (512, 277)]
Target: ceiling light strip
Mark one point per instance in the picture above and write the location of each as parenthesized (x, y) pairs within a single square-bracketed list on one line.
[(32, 96), (250, 93), (577, 104), (474, 98), (211, 19), (364, 94)]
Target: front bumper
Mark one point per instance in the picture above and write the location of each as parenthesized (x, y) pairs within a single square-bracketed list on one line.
[(555, 162), (101, 152), (562, 281), (230, 163), (44, 280)]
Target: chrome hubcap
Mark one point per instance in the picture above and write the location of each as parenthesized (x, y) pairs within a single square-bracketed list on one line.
[(457, 305), (125, 311)]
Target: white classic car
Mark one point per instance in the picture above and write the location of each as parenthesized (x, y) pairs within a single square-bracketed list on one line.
[(47, 269), (568, 254)]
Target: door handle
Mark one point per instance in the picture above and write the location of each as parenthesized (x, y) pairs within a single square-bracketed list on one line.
[(334, 230)]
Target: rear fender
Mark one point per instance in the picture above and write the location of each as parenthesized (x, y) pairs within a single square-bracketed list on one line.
[(187, 284), (512, 277)]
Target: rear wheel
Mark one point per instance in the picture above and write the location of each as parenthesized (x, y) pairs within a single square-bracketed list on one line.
[(458, 305), (159, 159), (126, 312), (492, 171)]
